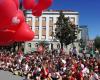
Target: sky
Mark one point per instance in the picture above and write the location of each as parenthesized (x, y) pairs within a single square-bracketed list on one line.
[(89, 13)]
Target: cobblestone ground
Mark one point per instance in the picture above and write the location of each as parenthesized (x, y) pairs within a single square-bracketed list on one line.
[(5, 75)]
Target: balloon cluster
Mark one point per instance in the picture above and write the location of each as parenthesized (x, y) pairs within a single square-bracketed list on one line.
[(13, 27)]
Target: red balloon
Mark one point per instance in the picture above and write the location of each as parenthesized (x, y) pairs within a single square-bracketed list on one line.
[(24, 33), (14, 22), (28, 4), (4, 23), (6, 35), (9, 29), (19, 18), (6, 43), (8, 10), (42, 5), (37, 13), (17, 3)]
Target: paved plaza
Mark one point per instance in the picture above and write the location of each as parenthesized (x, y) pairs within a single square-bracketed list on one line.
[(5, 75)]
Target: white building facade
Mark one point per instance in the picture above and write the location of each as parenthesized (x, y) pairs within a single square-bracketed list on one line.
[(44, 27)]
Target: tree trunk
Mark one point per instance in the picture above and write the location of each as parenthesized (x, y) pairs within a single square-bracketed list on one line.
[(61, 46)]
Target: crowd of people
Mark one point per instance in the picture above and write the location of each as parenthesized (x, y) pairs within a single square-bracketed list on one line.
[(50, 65)]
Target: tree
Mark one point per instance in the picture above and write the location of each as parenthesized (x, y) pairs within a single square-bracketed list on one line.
[(82, 43), (97, 42), (65, 31)]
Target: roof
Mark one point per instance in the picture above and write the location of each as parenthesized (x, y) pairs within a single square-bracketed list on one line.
[(51, 10), (57, 12)]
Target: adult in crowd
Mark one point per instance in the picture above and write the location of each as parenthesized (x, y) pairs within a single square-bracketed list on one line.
[(50, 66)]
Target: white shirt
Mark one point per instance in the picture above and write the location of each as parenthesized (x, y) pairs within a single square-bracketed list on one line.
[(94, 77), (85, 71), (26, 67)]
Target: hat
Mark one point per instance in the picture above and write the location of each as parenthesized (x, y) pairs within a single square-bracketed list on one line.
[(63, 61)]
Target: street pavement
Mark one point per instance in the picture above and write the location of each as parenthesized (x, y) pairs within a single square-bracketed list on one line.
[(5, 75)]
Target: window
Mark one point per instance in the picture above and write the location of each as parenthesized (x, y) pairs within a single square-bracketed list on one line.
[(43, 18), (50, 30), (36, 18), (36, 21), (37, 31), (43, 31), (51, 21), (36, 45), (72, 19), (29, 21), (43, 21), (29, 45)]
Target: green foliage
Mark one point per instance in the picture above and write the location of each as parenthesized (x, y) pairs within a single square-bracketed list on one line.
[(82, 43), (65, 31), (97, 42)]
